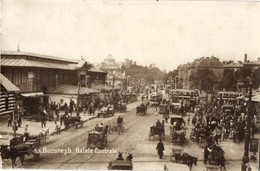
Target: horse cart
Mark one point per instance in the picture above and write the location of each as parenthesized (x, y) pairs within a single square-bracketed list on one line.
[(178, 156), (163, 109), (141, 110), (97, 140), (72, 121), (121, 107), (156, 130), (23, 145), (177, 129), (106, 112)]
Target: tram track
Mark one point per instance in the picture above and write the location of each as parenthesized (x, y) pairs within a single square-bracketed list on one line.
[(48, 158), (128, 119)]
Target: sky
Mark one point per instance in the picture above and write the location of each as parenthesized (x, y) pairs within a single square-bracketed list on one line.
[(166, 33)]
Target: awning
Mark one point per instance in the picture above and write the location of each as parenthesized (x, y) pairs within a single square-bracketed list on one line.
[(36, 94), (8, 85)]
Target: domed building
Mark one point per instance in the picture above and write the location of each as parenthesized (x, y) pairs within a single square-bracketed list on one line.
[(109, 64)]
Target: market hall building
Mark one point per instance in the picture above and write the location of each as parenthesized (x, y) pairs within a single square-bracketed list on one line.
[(40, 76)]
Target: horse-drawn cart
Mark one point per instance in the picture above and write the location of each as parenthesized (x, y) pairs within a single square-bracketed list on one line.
[(163, 109), (97, 140), (178, 130), (121, 107), (106, 112), (21, 146), (72, 121), (156, 130), (141, 110), (178, 156)]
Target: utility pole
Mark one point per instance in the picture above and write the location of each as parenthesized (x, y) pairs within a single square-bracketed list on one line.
[(245, 158)]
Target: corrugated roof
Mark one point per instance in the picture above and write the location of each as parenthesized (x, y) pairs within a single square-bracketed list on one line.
[(37, 55), (34, 63), (8, 85)]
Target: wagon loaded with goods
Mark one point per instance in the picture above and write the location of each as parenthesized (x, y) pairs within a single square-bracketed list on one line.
[(97, 138), (178, 130)]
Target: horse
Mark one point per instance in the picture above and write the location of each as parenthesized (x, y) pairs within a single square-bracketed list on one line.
[(12, 153), (189, 160)]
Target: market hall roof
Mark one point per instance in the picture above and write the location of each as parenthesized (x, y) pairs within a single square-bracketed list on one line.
[(36, 64), (35, 55), (8, 85), (27, 59)]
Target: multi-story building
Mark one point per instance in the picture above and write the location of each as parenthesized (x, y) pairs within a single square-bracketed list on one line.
[(211, 63), (218, 68)]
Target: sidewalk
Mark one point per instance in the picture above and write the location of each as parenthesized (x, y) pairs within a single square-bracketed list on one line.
[(34, 128)]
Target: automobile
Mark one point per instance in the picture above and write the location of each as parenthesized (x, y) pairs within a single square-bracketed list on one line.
[(120, 165)]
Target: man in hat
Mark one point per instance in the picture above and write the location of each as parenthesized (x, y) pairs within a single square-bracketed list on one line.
[(160, 149)]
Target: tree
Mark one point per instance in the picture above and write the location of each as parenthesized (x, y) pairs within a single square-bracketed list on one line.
[(228, 81), (203, 79)]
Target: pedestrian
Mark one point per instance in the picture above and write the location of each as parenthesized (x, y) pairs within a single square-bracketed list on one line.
[(61, 119), (19, 120), (57, 128), (160, 149), (10, 119), (166, 118), (26, 133), (188, 120), (43, 118)]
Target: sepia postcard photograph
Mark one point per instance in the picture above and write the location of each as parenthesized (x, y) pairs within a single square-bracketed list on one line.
[(156, 85)]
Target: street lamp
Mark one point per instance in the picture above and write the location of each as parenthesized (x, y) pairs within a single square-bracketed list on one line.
[(245, 158), (127, 82), (175, 81)]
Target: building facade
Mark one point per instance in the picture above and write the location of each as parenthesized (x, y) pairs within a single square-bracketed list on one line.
[(37, 75)]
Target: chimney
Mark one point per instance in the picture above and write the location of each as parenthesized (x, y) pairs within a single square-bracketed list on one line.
[(259, 59), (245, 58)]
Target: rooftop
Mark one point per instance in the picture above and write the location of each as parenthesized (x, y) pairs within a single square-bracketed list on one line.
[(37, 55)]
